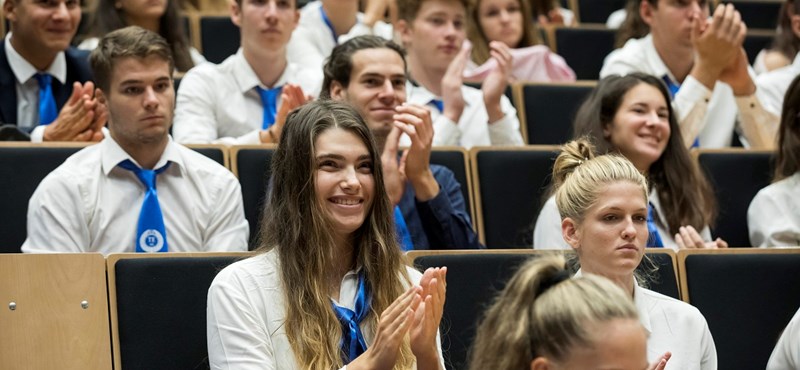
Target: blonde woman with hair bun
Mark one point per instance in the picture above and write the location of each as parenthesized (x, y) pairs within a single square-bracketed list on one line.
[(543, 319), (602, 201)]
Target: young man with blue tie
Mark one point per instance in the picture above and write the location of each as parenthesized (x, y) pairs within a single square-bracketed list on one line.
[(137, 190), (245, 99), (369, 72), (44, 88)]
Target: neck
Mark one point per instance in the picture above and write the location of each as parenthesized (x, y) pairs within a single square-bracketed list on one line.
[(342, 15), (267, 64), (39, 58), (145, 154), (427, 77), (679, 61), (344, 261), (150, 24)]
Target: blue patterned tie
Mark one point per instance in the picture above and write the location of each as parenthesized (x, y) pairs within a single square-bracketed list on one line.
[(654, 238), (402, 230), (353, 344), (47, 103), (439, 104), (269, 98), (151, 235)]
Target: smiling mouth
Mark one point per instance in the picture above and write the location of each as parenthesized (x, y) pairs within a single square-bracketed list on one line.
[(346, 202)]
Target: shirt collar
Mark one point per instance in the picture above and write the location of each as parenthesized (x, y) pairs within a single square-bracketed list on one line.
[(796, 62), (24, 71), (657, 66), (247, 79), (112, 155), (418, 94)]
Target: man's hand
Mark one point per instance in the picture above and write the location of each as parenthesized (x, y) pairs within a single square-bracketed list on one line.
[(74, 121), (394, 178), (737, 75), (292, 97), (451, 86), (494, 86), (716, 43), (415, 121)]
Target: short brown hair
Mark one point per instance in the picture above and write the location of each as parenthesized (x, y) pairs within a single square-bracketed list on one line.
[(340, 63), (132, 41), (407, 9)]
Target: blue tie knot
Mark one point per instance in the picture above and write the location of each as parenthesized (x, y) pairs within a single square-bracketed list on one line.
[(269, 99), (439, 104), (353, 344), (44, 80)]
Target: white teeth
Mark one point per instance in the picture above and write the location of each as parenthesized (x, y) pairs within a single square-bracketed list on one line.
[(347, 202)]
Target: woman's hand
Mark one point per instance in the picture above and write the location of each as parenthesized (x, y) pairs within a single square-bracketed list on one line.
[(427, 317), (393, 326), (688, 237), (661, 363)]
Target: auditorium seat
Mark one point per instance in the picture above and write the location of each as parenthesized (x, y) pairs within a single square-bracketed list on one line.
[(54, 312), (251, 164), (597, 11), (509, 186), (217, 152), (219, 37), (736, 176), (746, 295), (457, 160), (758, 14), (547, 110), (158, 308), (584, 48)]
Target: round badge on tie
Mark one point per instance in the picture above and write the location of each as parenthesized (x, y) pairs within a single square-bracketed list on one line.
[(151, 241)]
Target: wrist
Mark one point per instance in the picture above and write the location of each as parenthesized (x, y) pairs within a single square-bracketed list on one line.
[(425, 185), (494, 111)]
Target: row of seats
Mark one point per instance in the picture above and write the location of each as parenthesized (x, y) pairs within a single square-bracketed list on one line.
[(56, 313), (504, 187)]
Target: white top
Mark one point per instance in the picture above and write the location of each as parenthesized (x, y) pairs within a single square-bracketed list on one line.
[(246, 315), (674, 326), (616, 18), (711, 114), (773, 217), (89, 204), (218, 103), (473, 129), (92, 42), (677, 327), (28, 88), (312, 41), (786, 355), (772, 86), (547, 233)]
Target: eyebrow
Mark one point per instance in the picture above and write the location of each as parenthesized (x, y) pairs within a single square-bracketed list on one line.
[(380, 75), (341, 157), (133, 82)]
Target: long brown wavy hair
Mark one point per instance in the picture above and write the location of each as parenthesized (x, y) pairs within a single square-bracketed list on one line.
[(683, 190), (297, 226)]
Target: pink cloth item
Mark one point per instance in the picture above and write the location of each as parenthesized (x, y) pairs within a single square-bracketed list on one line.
[(531, 64)]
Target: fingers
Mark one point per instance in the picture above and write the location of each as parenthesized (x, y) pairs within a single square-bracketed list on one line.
[(77, 93), (679, 241), (661, 363), (721, 243), (392, 143)]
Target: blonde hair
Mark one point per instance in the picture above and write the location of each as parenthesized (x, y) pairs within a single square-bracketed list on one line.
[(538, 314), (580, 176)]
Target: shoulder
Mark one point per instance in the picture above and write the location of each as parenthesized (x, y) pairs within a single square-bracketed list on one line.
[(257, 272), (777, 193), (673, 309), (442, 172), (78, 63), (203, 166), (83, 166)]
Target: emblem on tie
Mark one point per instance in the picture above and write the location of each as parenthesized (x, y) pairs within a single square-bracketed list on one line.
[(151, 241)]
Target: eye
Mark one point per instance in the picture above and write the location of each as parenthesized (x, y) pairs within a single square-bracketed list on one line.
[(132, 90), (398, 83), (610, 217), (162, 86), (458, 24), (372, 82), (328, 165), (284, 4), (640, 218), (492, 13), (437, 21), (365, 167)]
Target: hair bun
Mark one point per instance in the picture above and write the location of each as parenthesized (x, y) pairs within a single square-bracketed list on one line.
[(572, 155)]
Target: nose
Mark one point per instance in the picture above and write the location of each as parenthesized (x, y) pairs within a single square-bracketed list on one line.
[(150, 98), (271, 9), (629, 230), (695, 8), (387, 90), (653, 118), (350, 183), (504, 16), (61, 11)]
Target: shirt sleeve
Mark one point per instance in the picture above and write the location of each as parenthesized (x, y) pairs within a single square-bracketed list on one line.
[(785, 354), (195, 117), (56, 218), (708, 360), (237, 339), (444, 218), (691, 107), (228, 229), (445, 132), (759, 126), (767, 222), (505, 131), (547, 232)]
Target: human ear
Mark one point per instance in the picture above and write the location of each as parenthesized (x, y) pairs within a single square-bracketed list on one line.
[(540, 363), (646, 12), (337, 91), (571, 232), (236, 12), (404, 30)]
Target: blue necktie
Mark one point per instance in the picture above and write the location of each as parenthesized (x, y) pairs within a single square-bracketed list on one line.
[(654, 238), (47, 103), (402, 230), (673, 90), (353, 344), (151, 235), (269, 98), (439, 104)]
